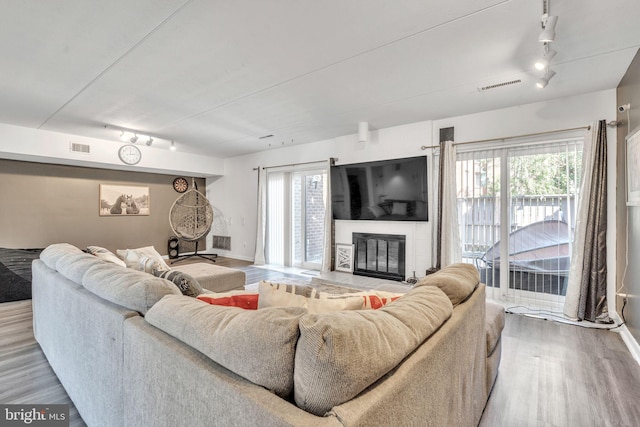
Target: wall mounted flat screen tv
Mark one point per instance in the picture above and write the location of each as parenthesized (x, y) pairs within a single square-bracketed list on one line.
[(386, 190)]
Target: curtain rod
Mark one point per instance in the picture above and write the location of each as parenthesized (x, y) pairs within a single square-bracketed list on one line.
[(424, 147), (293, 164)]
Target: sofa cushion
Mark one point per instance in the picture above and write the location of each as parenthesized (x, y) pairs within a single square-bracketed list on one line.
[(132, 289), (494, 325), (143, 259), (52, 253), (187, 284), (288, 295), (105, 255), (258, 345), (73, 266), (340, 354), (458, 281)]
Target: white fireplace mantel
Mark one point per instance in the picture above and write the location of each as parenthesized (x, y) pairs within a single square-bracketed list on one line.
[(418, 243)]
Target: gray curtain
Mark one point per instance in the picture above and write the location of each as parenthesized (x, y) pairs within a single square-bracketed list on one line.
[(592, 305), (261, 226), (329, 232)]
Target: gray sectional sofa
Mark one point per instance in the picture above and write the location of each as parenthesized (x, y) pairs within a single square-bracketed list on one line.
[(131, 350)]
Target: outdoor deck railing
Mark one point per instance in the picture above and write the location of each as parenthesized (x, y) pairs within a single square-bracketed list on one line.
[(479, 219)]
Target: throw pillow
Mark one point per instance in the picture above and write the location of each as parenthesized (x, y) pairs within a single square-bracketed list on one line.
[(287, 295), (243, 299), (187, 284), (399, 208), (143, 259), (372, 300), (284, 294), (377, 211), (105, 254)]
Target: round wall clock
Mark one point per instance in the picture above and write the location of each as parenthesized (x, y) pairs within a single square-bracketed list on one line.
[(129, 154), (180, 184)]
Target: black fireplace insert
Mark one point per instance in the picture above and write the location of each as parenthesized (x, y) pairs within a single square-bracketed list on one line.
[(379, 255)]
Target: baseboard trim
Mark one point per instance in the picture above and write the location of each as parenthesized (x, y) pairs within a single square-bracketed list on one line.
[(234, 256), (631, 343), (627, 338), (219, 253)]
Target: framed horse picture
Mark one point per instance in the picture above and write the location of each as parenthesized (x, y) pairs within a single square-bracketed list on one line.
[(124, 200)]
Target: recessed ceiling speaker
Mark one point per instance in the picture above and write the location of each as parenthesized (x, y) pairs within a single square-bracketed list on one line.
[(173, 247)]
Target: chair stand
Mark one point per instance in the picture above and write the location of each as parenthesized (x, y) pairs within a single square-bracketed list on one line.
[(195, 254)]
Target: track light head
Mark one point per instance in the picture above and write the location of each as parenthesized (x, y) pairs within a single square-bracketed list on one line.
[(134, 139), (544, 81), (173, 146), (548, 33), (543, 62), (149, 142)]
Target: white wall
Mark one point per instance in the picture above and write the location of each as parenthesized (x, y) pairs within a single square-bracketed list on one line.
[(35, 145), (235, 194)]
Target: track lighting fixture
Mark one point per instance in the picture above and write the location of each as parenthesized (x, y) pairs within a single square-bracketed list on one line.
[(132, 137), (544, 81), (543, 62), (548, 33), (547, 36)]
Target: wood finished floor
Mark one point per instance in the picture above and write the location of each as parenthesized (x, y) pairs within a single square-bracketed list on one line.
[(551, 374), (555, 374)]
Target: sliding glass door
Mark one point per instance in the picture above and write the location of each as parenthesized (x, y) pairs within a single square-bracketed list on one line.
[(516, 213), (295, 218), (308, 213)]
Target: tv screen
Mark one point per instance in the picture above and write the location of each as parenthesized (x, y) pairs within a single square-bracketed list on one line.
[(386, 190)]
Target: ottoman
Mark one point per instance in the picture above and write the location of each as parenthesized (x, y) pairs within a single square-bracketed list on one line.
[(214, 277)]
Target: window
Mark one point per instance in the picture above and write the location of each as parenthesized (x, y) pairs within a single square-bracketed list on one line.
[(295, 218), (517, 204)]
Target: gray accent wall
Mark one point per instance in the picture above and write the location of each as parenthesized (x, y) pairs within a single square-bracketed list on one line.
[(41, 204), (628, 92)]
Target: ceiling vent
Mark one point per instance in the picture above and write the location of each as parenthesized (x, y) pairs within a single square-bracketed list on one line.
[(497, 85), (79, 148)]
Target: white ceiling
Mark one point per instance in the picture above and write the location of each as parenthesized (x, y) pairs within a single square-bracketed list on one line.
[(216, 75)]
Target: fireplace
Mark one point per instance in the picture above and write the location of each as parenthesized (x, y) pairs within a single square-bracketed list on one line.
[(379, 255)]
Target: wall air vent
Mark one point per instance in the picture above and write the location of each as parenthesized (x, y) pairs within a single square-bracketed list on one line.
[(497, 85), (79, 148)]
